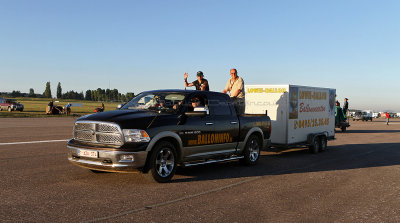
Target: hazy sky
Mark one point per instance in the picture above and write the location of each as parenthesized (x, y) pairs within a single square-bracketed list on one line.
[(134, 46)]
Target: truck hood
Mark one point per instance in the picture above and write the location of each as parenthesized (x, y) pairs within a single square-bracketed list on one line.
[(126, 119)]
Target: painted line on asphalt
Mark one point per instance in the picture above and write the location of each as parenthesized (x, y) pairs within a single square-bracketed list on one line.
[(226, 187), (43, 141)]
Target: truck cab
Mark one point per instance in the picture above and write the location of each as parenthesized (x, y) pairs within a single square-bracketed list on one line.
[(158, 130)]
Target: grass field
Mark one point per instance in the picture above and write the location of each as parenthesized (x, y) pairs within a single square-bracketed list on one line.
[(36, 107)]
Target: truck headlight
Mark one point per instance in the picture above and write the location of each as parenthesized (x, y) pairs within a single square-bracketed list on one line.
[(135, 135)]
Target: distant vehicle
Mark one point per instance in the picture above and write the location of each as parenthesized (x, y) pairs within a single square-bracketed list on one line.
[(10, 105), (376, 115), (363, 116)]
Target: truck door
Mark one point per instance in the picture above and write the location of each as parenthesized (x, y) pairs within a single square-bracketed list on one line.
[(226, 124), (196, 131)]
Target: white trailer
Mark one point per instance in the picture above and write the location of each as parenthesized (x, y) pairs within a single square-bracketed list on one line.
[(300, 115)]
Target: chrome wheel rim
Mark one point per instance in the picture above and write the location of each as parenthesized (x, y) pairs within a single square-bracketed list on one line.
[(254, 150), (165, 162), (316, 145), (323, 144)]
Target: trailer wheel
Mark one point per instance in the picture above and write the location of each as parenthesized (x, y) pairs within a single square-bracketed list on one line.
[(251, 152), (315, 145), (323, 143)]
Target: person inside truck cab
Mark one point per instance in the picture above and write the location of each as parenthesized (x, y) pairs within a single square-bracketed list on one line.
[(198, 104), (201, 84)]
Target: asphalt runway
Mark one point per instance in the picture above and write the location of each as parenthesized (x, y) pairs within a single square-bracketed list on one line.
[(356, 180)]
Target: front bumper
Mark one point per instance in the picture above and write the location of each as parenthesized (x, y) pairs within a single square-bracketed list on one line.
[(107, 160)]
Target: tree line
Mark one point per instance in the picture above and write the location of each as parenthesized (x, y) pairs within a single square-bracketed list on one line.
[(91, 95)]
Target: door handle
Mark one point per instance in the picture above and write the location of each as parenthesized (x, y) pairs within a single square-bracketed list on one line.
[(233, 123), (209, 123)]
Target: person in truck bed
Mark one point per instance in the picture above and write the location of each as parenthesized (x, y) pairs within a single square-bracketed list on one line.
[(235, 86), (201, 84)]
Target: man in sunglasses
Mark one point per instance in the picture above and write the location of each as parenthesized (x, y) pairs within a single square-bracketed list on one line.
[(198, 105), (201, 84)]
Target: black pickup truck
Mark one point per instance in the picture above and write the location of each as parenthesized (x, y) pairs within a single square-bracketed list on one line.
[(158, 130)]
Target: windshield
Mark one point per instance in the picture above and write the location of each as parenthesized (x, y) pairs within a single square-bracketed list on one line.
[(156, 101)]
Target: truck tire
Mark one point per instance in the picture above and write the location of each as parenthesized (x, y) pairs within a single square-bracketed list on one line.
[(323, 143), (315, 145), (251, 151), (162, 163)]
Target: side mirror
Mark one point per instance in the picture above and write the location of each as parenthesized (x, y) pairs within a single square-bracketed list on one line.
[(196, 113)]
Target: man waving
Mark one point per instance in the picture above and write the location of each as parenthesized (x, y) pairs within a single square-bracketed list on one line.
[(201, 84)]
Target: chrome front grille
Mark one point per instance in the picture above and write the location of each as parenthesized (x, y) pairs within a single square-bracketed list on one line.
[(108, 138), (106, 128), (98, 132), (84, 126)]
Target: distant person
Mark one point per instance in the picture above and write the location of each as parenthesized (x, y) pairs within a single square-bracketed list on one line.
[(345, 106), (235, 86), (339, 115), (201, 84), (50, 107), (387, 118), (68, 109), (101, 109)]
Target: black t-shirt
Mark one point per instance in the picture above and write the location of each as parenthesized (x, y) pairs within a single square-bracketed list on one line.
[(346, 105), (198, 85)]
